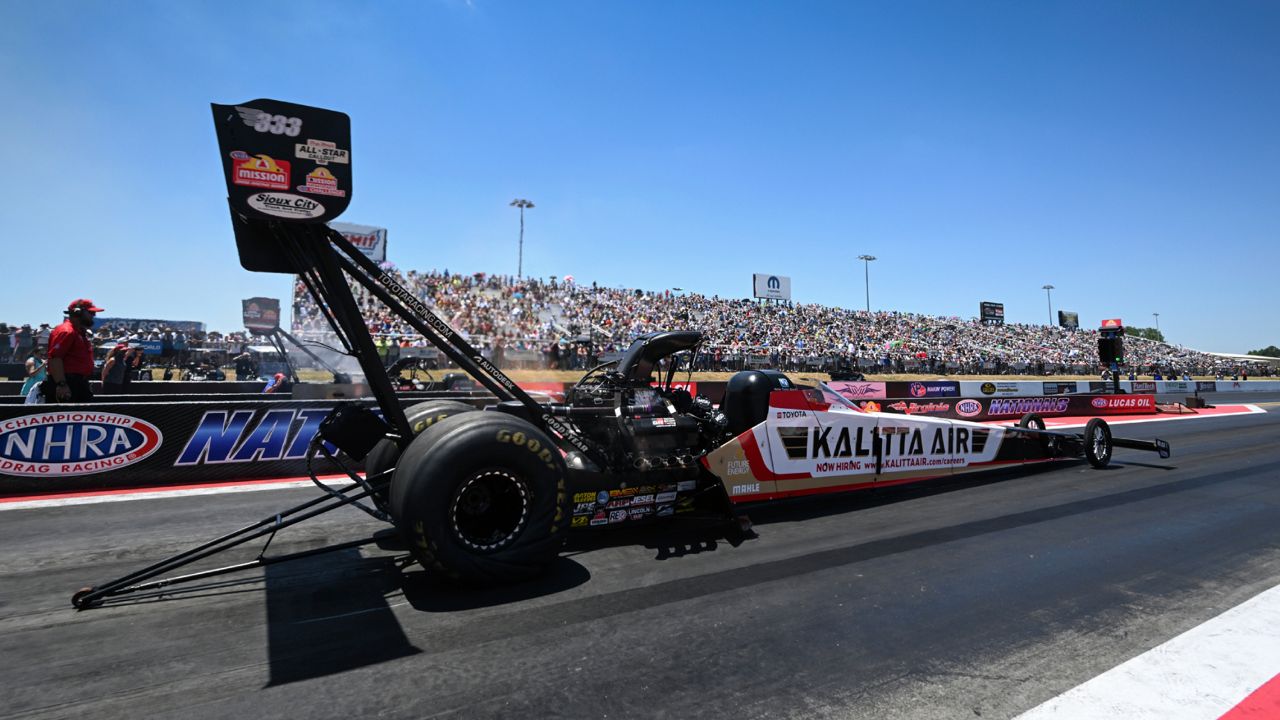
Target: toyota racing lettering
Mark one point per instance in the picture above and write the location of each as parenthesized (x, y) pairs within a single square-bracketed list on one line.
[(1022, 406)]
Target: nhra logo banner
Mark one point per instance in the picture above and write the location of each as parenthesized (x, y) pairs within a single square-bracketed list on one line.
[(72, 443), (139, 444)]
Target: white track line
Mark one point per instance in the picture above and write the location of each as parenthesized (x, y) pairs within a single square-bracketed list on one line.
[(1198, 675), (160, 493)]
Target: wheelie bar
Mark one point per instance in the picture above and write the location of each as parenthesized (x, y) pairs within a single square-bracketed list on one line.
[(267, 527)]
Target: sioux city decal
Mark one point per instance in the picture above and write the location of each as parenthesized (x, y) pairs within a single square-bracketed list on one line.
[(286, 205), (224, 436), (74, 443)]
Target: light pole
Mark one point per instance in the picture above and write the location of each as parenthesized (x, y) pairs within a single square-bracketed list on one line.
[(866, 276), (522, 204), (1156, 315), (1048, 293)]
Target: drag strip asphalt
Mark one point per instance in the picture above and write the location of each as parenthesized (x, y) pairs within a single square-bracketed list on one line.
[(980, 597)]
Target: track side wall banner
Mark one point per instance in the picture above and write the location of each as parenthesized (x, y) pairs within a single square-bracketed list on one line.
[(49, 448)]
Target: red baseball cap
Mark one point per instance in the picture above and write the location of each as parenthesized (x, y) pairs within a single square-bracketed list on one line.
[(84, 303)]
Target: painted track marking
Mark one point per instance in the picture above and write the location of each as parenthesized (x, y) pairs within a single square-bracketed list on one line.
[(1226, 665)]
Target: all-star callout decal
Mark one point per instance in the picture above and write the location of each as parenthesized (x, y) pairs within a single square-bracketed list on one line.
[(71, 442)]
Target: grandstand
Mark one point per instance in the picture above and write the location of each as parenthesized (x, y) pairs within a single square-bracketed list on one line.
[(531, 323)]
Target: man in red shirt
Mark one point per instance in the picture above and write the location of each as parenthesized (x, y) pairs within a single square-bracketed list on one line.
[(71, 355)]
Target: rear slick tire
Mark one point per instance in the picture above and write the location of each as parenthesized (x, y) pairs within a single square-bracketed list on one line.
[(421, 416), (481, 498), (1097, 443)]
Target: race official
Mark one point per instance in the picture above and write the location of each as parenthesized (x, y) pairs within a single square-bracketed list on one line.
[(71, 355)]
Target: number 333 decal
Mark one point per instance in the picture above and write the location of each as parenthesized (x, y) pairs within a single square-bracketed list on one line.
[(274, 124)]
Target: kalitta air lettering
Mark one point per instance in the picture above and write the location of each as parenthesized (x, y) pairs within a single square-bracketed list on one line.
[(60, 444), (1022, 406), (843, 442)]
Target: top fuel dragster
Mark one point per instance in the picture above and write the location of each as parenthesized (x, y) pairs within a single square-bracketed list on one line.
[(487, 496)]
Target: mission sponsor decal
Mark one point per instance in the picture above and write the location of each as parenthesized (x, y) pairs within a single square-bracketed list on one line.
[(322, 182), (74, 443), (1143, 387), (1060, 387), (260, 171)]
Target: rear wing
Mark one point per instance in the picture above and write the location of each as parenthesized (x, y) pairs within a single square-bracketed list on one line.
[(283, 162)]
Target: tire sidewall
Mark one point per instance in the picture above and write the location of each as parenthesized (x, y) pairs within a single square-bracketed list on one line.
[(449, 452), (420, 416)]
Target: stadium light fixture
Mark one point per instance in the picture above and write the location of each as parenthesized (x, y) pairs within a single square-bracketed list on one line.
[(1048, 293), (866, 276), (1156, 315), (522, 204)]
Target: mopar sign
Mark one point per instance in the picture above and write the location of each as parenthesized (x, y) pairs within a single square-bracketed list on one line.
[(772, 287), (74, 443)]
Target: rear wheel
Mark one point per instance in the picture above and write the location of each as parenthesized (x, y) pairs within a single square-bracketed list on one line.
[(421, 416), (481, 497), (1097, 443)]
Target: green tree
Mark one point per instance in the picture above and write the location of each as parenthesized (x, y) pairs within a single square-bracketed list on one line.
[(1148, 333), (1269, 351)]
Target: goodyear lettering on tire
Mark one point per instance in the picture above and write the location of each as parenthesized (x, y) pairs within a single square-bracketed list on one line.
[(530, 444)]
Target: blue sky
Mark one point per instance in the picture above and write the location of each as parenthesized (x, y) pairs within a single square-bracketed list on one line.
[(1127, 153)]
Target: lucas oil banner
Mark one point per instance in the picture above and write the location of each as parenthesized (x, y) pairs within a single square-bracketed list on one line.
[(997, 408), (76, 447)]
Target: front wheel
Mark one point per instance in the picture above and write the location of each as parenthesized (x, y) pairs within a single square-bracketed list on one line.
[(1097, 443), (481, 497)]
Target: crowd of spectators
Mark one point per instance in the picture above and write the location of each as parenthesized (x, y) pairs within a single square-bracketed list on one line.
[(557, 323), (560, 323)]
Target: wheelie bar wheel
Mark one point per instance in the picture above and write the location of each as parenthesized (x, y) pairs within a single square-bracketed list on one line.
[(80, 603), (1097, 443)]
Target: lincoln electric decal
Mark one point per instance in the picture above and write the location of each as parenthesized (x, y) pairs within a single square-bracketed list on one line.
[(74, 443)]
